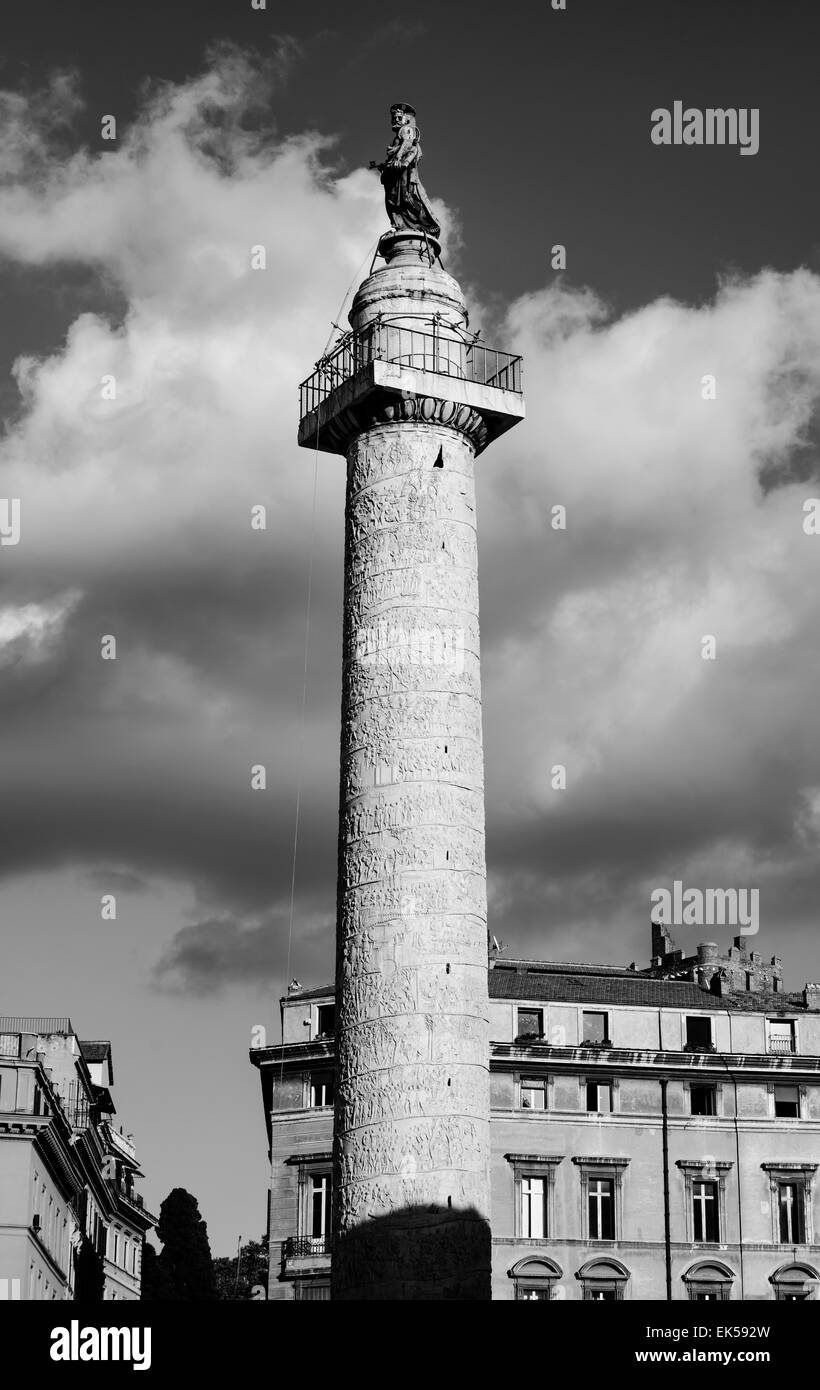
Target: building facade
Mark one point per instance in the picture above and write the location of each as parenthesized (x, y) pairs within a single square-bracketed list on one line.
[(72, 1224), (655, 1134)]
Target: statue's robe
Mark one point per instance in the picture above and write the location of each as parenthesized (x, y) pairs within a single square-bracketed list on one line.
[(407, 203)]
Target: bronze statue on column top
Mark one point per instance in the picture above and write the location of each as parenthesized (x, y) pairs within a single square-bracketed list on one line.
[(405, 199)]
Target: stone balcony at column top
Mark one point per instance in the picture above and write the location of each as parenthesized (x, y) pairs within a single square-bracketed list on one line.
[(410, 367)]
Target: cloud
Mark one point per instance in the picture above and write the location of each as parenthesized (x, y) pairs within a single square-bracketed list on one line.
[(35, 125), (207, 956), (684, 518), (137, 502), (29, 631)]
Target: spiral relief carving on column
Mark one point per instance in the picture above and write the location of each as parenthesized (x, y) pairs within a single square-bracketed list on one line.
[(412, 1034)]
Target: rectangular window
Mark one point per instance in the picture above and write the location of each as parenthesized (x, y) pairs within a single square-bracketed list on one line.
[(115, 1249), (698, 1031), (321, 1090), (530, 1023), (706, 1218), (601, 1200), (312, 1289), (791, 1211), (781, 1035), (326, 1020), (320, 1204), (599, 1097), (595, 1027), (703, 1100), (787, 1102), (533, 1093), (532, 1208)]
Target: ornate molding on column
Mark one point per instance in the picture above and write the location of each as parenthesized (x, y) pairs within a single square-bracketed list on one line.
[(335, 425)]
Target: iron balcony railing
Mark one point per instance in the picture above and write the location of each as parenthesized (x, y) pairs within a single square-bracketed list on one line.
[(122, 1189), (296, 1246), (433, 346)]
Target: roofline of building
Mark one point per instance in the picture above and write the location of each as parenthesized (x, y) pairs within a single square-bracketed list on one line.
[(765, 1003), (300, 994), (319, 1050), (42, 1024), (561, 967)]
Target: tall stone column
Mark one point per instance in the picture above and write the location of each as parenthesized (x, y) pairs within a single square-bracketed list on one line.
[(412, 1119), (411, 1142)]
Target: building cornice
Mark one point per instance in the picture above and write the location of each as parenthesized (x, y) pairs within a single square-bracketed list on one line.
[(638, 1119), (697, 1165), (535, 1158), (302, 1053), (599, 1161), (788, 1167), (638, 1247), (39, 1130), (632, 1059)]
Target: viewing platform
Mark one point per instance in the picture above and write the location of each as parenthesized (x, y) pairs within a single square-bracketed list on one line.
[(409, 368)]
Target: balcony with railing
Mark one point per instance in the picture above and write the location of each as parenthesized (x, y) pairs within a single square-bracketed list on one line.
[(127, 1193), (427, 345), (299, 1246), (414, 355), (781, 1046), (306, 1255)]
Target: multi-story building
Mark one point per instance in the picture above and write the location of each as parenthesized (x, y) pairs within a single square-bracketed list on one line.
[(655, 1133), (72, 1224)]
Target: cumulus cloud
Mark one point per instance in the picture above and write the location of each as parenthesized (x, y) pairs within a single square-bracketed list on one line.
[(684, 518)]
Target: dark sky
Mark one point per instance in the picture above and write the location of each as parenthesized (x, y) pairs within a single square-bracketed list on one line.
[(239, 127), (535, 122)]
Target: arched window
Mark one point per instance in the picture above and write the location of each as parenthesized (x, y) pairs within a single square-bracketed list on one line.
[(603, 1281), (795, 1283), (708, 1280), (535, 1279)]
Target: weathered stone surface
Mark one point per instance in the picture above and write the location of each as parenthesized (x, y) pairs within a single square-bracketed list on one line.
[(412, 1119)]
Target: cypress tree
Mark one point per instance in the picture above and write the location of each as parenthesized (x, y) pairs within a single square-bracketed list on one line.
[(184, 1265)]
